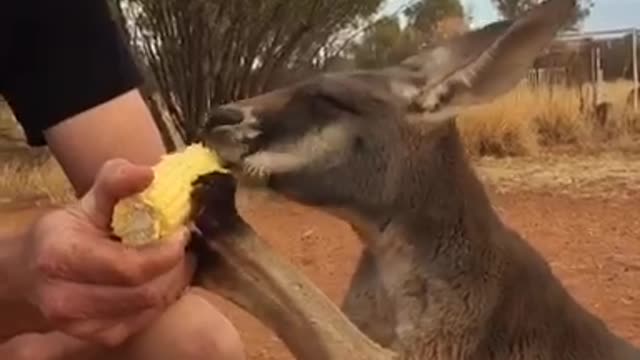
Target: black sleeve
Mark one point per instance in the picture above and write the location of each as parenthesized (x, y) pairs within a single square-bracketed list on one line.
[(66, 57)]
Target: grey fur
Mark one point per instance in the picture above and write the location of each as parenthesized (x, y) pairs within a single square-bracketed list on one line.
[(441, 276)]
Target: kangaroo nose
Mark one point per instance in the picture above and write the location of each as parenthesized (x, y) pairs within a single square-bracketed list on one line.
[(232, 131), (219, 117)]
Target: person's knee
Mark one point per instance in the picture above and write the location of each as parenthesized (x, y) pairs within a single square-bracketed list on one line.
[(192, 329), (209, 334)]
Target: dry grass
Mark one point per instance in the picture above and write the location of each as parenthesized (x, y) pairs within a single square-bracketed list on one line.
[(28, 176), (605, 175), (528, 120), (524, 122)]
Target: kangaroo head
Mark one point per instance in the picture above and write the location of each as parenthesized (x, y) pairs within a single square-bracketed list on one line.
[(346, 140)]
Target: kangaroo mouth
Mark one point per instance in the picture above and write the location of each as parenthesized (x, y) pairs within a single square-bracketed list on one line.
[(238, 158), (249, 168), (257, 166), (252, 159)]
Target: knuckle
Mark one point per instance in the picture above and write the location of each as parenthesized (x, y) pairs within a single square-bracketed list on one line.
[(113, 338), (131, 272), (50, 259), (134, 276), (77, 329), (150, 296), (45, 261), (109, 341), (114, 165), (55, 305)]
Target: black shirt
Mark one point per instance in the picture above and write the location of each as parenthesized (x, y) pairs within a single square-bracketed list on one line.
[(59, 58)]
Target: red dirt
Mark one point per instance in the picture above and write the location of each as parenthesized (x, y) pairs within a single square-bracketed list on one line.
[(580, 212), (592, 244)]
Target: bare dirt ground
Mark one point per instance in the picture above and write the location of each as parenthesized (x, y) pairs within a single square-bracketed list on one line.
[(580, 212)]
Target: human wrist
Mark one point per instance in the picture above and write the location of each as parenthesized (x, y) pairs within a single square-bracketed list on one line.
[(11, 278), (13, 243), (18, 313)]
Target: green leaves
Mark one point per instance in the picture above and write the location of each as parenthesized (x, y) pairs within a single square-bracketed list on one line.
[(510, 9), (386, 42), (426, 14)]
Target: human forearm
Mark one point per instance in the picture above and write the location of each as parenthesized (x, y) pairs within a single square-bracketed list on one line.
[(120, 128)]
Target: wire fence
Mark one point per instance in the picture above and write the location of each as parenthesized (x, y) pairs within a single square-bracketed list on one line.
[(588, 59)]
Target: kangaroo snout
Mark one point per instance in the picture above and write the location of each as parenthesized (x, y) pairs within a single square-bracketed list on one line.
[(233, 132)]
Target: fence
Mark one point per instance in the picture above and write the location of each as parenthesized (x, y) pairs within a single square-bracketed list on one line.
[(584, 59)]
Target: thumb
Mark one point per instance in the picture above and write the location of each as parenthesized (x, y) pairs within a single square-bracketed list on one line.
[(118, 178)]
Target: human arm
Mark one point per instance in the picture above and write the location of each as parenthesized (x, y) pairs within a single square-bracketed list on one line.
[(67, 268), (120, 128), (75, 90), (73, 85)]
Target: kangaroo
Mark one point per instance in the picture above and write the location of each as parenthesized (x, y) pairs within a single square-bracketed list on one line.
[(441, 276)]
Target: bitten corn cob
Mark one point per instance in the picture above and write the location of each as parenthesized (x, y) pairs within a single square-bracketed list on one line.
[(161, 208)]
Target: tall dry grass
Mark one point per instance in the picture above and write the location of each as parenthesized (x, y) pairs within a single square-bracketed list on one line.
[(28, 176), (525, 121), (528, 120)]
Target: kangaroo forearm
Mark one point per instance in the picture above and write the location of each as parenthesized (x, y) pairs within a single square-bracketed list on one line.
[(247, 272)]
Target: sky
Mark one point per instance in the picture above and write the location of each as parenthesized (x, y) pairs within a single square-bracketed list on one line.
[(605, 15)]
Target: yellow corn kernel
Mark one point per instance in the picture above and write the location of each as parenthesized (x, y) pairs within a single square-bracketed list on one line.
[(151, 215)]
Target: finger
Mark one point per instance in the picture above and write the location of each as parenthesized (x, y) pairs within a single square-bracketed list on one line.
[(123, 330), (65, 302), (91, 329), (118, 178), (86, 330), (112, 263), (62, 346), (111, 331), (33, 346)]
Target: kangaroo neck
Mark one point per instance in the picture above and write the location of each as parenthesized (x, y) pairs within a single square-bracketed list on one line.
[(442, 210)]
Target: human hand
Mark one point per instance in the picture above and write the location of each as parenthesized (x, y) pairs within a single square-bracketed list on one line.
[(48, 346), (90, 286)]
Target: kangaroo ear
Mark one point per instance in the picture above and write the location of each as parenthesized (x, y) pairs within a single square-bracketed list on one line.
[(485, 63)]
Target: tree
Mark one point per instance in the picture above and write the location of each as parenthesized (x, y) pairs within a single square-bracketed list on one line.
[(429, 16), (203, 53), (510, 9), (385, 43)]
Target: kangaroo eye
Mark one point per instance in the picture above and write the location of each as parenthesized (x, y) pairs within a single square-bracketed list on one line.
[(334, 102), (358, 143), (225, 116)]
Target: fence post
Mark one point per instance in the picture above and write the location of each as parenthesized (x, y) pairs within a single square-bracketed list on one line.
[(597, 71), (635, 70)]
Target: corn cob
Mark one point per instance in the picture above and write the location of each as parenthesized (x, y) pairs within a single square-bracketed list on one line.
[(149, 216)]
